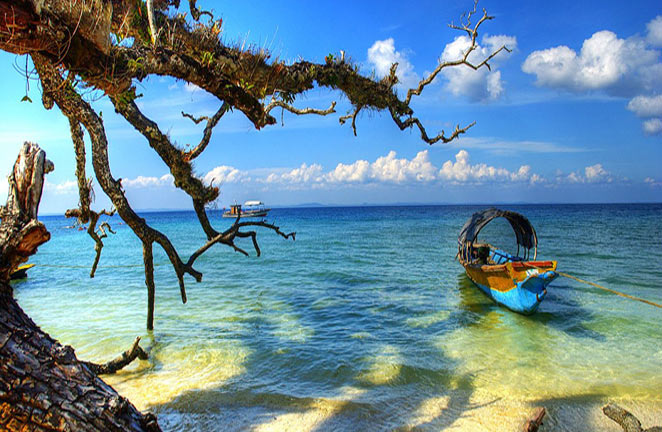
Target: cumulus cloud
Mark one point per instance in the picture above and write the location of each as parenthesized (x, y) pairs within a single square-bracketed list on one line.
[(394, 170), (385, 169), (382, 55), (653, 126), (142, 182), (621, 67), (596, 173), (654, 28), (606, 63), (592, 174), (646, 106), (66, 187), (482, 84), (650, 181), (224, 174), (462, 171), (304, 174)]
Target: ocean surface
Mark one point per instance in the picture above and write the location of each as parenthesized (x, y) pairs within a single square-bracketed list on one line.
[(366, 321)]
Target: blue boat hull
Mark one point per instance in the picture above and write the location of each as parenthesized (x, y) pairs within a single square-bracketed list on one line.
[(525, 296)]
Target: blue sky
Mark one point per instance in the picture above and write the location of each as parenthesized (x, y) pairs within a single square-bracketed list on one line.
[(573, 114)]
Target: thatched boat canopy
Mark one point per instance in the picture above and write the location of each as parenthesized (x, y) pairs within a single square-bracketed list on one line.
[(524, 231)]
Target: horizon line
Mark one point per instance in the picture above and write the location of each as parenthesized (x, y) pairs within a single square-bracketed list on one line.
[(335, 205)]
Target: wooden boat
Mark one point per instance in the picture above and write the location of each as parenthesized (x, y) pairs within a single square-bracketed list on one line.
[(250, 209), (513, 281), (21, 272)]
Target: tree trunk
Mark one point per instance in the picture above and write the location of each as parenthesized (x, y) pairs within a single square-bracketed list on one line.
[(43, 386)]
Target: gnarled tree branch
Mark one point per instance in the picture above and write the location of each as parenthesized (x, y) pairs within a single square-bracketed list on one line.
[(120, 362), (626, 420), (20, 231)]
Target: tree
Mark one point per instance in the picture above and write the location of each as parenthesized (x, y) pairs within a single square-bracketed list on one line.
[(70, 45)]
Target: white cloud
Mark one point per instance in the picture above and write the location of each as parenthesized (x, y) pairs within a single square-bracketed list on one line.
[(653, 126), (385, 169), (304, 174), (394, 170), (357, 172), (596, 173), (482, 84), (619, 67), (148, 182), (382, 55), (654, 28), (623, 67), (650, 181), (224, 174), (389, 168), (66, 187), (592, 174), (646, 106), (461, 171)]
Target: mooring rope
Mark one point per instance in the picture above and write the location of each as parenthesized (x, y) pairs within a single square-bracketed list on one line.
[(622, 294)]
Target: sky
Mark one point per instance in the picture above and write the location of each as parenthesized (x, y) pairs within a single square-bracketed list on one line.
[(572, 115)]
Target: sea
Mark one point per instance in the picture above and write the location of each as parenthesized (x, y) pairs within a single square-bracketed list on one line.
[(366, 322)]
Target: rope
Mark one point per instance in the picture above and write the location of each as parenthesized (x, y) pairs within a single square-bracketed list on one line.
[(610, 290)]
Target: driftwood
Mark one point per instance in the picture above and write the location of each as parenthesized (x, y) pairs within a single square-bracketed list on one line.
[(120, 362), (20, 231), (535, 421), (626, 420), (43, 386)]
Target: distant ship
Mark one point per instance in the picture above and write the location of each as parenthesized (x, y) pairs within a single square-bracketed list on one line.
[(250, 209)]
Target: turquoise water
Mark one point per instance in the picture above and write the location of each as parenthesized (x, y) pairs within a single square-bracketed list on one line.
[(366, 322)]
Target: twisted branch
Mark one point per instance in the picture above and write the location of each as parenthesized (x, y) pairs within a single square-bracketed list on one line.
[(120, 361), (279, 103), (193, 52), (211, 124)]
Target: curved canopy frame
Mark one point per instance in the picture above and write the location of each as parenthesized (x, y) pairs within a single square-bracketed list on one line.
[(524, 231)]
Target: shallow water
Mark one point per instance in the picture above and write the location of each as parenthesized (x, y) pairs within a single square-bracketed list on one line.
[(366, 322)]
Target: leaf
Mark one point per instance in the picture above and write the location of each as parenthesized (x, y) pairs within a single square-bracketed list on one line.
[(26, 98)]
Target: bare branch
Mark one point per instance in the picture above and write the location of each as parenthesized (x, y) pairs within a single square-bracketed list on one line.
[(120, 361), (96, 234), (473, 34), (73, 106), (352, 116), (228, 236), (211, 123), (84, 189), (410, 122), (279, 103), (626, 420), (197, 13)]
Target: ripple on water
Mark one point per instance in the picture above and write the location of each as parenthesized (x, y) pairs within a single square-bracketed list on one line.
[(366, 323)]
